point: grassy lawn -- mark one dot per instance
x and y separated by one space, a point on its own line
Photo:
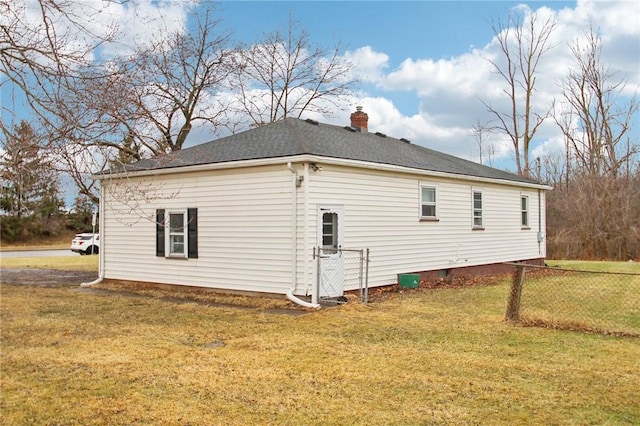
70 263
605 301
442 356
62 241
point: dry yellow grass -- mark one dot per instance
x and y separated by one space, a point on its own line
440 357
70 263
62 241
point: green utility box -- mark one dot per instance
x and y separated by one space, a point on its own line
409 280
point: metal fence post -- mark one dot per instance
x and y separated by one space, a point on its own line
366 277
360 276
316 256
513 306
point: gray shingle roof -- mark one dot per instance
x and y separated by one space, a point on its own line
292 136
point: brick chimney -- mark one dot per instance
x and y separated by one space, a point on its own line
359 120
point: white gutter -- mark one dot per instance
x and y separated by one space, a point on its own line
101 251
317 159
294 240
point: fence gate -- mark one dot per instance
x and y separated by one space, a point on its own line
341 270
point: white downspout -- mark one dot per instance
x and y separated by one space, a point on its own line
101 251
294 241
307 254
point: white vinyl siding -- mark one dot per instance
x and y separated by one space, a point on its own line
244 229
379 214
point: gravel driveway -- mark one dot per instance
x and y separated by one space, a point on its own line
44 277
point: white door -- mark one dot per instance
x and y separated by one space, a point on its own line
331 264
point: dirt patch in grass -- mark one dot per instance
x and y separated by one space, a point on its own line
574 326
174 294
202 296
44 277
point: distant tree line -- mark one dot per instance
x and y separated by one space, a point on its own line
31 206
593 211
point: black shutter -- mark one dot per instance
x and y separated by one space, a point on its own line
160 232
192 229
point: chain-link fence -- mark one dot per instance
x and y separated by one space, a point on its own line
601 302
341 270
558 248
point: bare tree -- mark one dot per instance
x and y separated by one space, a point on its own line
147 103
597 122
284 75
46 56
486 150
174 83
523 42
597 209
41 49
93 110
554 170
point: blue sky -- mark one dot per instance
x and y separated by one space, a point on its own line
401 29
422 64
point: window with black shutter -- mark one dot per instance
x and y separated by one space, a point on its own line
192 233
177 233
160 232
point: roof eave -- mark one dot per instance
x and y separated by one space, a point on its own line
309 158
431 173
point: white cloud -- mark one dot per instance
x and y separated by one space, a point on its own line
451 90
369 65
87 23
142 22
552 147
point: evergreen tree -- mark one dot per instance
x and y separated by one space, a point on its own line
80 218
29 179
130 152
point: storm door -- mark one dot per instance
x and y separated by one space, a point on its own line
331 264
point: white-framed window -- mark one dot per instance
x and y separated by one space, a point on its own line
477 207
524 211
330 230
176 235
428 202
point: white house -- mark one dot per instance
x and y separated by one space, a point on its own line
247 212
